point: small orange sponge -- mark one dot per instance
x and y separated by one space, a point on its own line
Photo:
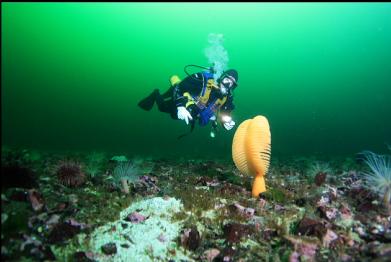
251 149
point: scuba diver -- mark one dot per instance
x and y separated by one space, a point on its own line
197 97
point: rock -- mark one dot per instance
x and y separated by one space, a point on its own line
384 250
233 232
207 181
360 231
147 185
35 199
75 223
109 248
61 206
29 240
62 232
268 234
363 199
323 201
329 213
387 235
294 257
345 212
37 249
230 189
345 258
190 238
162 238
328 238
210 254
366 207
379 250
300 202
279 208
306 250
82 257
135 217
227 254
241 210
52 221
362 218
262 203
320 178
333 193
310 227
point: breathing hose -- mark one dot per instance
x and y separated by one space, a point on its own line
203 67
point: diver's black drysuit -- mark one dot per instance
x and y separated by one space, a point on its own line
174 97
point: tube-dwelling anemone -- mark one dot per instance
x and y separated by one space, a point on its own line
70 173
378 179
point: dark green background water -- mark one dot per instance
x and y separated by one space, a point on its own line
72 74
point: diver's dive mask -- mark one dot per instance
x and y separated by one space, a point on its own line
227 85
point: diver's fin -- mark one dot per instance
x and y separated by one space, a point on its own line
148 102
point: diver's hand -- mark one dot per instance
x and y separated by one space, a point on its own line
229 125
183 114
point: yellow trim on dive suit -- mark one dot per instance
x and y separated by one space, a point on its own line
190 99
221 101
204 99
210 84
174 80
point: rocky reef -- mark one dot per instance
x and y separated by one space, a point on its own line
193 210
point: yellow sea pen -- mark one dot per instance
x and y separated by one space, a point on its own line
251 149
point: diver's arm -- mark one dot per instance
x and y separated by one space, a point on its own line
191 85
180 101
182 94
225 114
227 107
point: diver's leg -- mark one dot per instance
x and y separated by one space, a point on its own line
166 106
148 102
168 93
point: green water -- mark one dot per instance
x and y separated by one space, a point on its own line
72 74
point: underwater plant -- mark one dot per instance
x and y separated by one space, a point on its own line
125 172
70 173
378 179
92 170
95 160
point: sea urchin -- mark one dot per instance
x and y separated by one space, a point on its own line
70 173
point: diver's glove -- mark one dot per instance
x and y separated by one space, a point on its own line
228 122
183 114
229 125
